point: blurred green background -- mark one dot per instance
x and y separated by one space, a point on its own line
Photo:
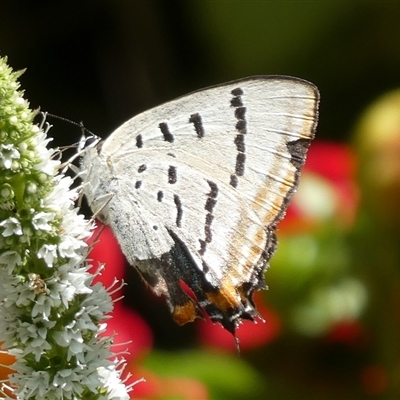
333 284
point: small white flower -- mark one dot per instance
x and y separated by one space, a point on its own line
37 347
68 381
78 279
11 227
30 383
30 331
64 291
8 153
111 377
22 296
68 246
46 164
84 322
98 304
60 196
68 335
40 221
43 306
48 252
10 258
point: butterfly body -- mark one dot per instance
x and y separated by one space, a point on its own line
193 190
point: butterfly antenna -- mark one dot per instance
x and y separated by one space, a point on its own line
81 146
80 124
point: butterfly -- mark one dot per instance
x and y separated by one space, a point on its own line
193 190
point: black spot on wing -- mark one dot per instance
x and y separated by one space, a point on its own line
207 227
237 92
233 181
205 266
172 175
236 101
240 113
241 126
239 141
209 207
179 210
214 189
239 167
202 246
195 119
298 150
139 141
168 136
210 203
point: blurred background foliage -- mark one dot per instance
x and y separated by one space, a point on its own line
332 312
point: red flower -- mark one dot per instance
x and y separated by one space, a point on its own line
349 332
106 251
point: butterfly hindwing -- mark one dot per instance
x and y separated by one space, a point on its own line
196 187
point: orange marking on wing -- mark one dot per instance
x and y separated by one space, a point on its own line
226 297
184 314
258 244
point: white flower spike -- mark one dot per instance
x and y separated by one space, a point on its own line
50 315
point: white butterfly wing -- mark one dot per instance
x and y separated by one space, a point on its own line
197 185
